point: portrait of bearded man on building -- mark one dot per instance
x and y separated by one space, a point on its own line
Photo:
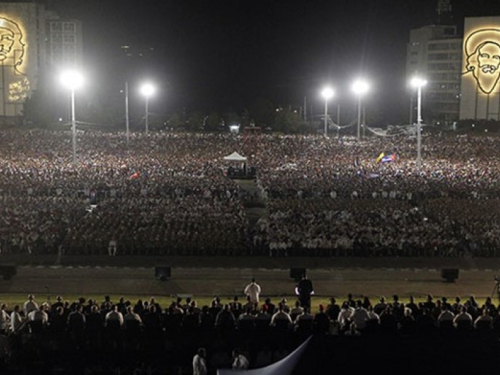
482 49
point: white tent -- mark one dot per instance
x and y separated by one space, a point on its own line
235 157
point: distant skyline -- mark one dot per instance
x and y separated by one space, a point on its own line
227 54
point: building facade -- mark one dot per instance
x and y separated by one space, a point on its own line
35 42
435 52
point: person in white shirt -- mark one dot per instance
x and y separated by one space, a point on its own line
131 315
16 320
4 318
39 315
200 363
114 315
30 305
446 315
281 316
345 314
359 316
240 362
253 291
463 317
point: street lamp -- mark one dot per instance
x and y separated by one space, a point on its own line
327 94
72 80
360 88
127 120
419 82
147 90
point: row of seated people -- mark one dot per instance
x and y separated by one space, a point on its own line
150 318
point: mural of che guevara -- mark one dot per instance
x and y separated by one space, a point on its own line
482 49
14 83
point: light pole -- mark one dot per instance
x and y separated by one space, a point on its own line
360 88
327 94
127 122
72 80
419 82
147 90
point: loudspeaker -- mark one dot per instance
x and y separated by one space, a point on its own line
8 270
162 272
297 273
449 274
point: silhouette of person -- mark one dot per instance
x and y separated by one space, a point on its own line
304 290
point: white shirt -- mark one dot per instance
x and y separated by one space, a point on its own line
15 321
114 315
345 316
4 320
360 316
253 291
38 316
199 365
240 363
29 306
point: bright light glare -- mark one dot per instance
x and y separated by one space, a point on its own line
71 79
147 90
327 93
418 82
360 87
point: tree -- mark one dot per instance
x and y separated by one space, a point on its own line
176 122
195 121
289 121
213 122
263 111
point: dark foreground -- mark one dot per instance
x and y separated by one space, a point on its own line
430 351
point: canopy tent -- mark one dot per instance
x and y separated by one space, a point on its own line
235 157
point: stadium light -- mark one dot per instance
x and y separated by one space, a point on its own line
418 83
360 88
327 93
72 80
147 90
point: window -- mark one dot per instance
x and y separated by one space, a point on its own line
69 38
69 27
55 26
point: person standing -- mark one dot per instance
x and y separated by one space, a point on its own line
304 290
252 291
30 305
240 362
200 362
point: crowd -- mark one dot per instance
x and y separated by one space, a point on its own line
134 335
168 194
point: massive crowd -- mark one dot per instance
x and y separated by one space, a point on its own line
168 193
90 336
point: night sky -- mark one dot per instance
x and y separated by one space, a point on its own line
227 54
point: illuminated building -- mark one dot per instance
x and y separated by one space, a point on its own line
435 52
35 42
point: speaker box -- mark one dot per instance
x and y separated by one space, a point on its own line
449 274
8 270
297 273
162 272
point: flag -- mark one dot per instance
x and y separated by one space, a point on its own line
380 157
134 176
388 158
